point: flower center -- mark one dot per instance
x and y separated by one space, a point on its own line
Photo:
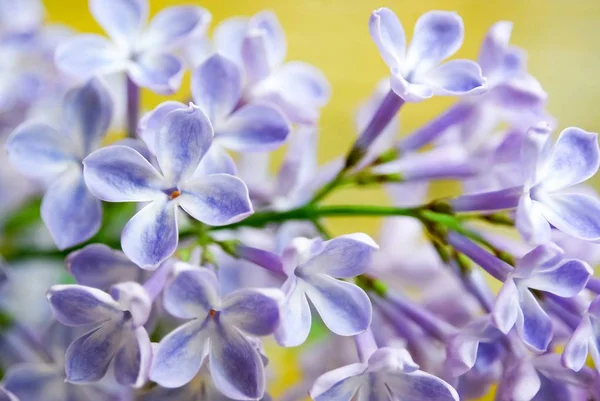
175 194
212 313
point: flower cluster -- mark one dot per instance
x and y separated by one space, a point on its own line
156 304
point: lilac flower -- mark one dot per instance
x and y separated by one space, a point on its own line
388 374
121 174
145 53
584 340
542 269
7 396
217 91
118 338
258 45
20 17
416 73
217 330
313 267
71 213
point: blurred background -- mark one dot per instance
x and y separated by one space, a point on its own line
561 38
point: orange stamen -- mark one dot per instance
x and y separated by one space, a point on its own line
175 194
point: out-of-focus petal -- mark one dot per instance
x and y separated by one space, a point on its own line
192 294
255 312
575 353
388 34
493 49
229 36
86 55
577 215
173 25
267 23
339 384
31 381
295 316
530 222
121 19
456 77
77 305
161 73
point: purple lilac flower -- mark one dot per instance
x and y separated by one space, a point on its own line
388 374
416 73
313 268
217 91
584 340
71 213
118 339
217 330
258 45
145 53
542 269
121 174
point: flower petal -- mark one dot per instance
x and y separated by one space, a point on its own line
540 259
100 266
344 307
70 211
151 235
566 280
531 222
456 77
574 158
253 311
295 316
506 308
161 73
151 122
577 215
235 365
173 25
121 19
267 23
38 150
77 305
87 358
255 57
216 161
133 359
217 87
183 139
575 353
339 384
409 91
495 44
179 355
388 34
84 56
437 35
254 127
192 294
420 386
533 324
216 199
119 173
88 112
229 36
342 257
32 381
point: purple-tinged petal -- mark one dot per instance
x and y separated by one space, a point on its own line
566 280
506 308
7 395
260 257
541 258
530 222
392 359
437 35
300 164
88 112
216 161
119 173
339 384
344 307
132 360
255 312
151 122
134 298
235 365
388 34
229 36
342 257
524 93
574 158
121 19
32 382
419 386
577 215
151 235
87 55
575 354
409 91
182 141
161 73
533 324
520 382
495 44
70 211
173 25
456 77
255 57
38 150
534 149
76 305
295 316
179 355
266 22
216 199
87 358
217 87
192 294
254 127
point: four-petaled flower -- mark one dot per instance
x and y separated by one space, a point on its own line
542 269
121 174
71 213
313 268
416 73
217 330
144 53
388 374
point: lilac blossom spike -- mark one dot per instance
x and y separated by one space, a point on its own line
388 373
71 213
145 53
121 174
218 330
313 268
416 73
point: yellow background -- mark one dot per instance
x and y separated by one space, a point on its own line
562 38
